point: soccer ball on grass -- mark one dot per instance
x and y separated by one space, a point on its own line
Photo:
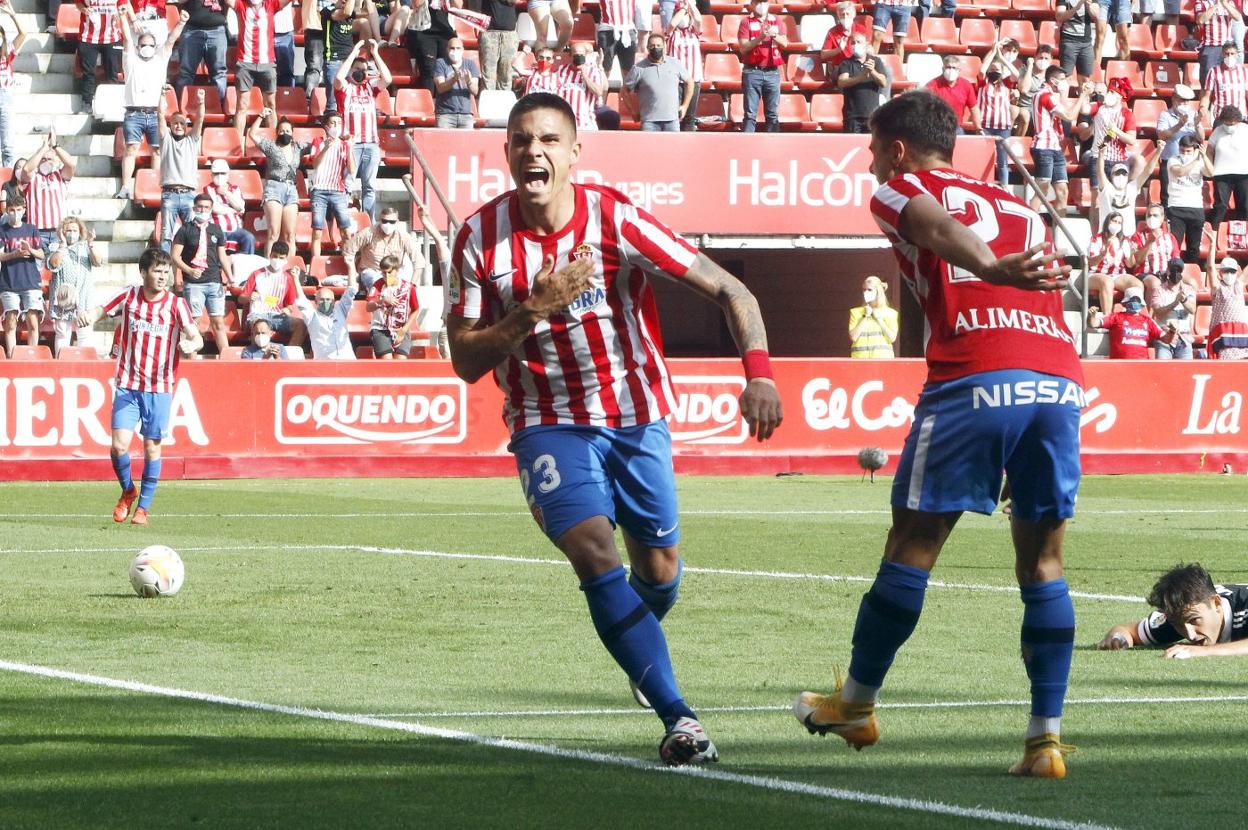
157 571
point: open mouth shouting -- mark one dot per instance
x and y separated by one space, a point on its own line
536 179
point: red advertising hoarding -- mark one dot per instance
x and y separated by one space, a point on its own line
366 418
732 183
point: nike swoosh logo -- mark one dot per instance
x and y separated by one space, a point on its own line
661 532
501 274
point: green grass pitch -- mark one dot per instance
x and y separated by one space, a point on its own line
339 596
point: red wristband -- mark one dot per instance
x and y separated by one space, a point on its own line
757 364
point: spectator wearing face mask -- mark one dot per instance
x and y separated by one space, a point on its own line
684 45
1050 112
838 43
21 294
761 45
333 164
1122 191
1230 165
583 85
271 294
1130 331
357 88
1113 132
1172 300
1030 80
1110 258
1185 206
99 42
993 97
365 250
1178 120
280 199
326 321
1226 86
456 83
146 66
256 57
70 262
861 78
179 166
200 257
45 181
1229 308
1214 19
393 303
872 325
261 345
1005 53
662 87
546 76
228 208
957 92
1154 245
8 53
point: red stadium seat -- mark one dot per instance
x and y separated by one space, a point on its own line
78 353
1049 34
1161 76
987 8
1038 9
900 84
1140 39
147 187
1168 39
794 112
1200 325
327 266
977 34
828 111
231 353
414 107
214 110
316 105
31 353
399 62
292 104
221 143
807 79
364 353
394 149
466 33
1023 31
710 34
723 72
585 28
1129 70
941 35
68 21
1145 111
729 26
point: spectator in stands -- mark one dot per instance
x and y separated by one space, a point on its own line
993 100
1230 165
662 87
338 23
442 251
1131 331
228 208
179 167
1213 20
1179 120
313 45
896 12
204 41
838 43
1116 13
497 44
1171 9
284 45
1050 108
1185 207
21 289
365 250
45 181
1153 245
617 34
280 198
99 42
1228 303
326 321
356 87
1030 80
261 345
1122 191
456 82
1113 132
146 64
256 57
388 20
270 294
1172 300
542 11
200 256
148 16
393 303
583 85
333 163
1078 21
873 325
546 75
70 262
429 32
861 78
1225 86
9 47
923 9
684 45
13 187
1110 256
957 92
760 42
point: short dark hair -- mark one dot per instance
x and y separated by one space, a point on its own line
1053 71
286 121
1189 140
201 197
1230 115
1180 588
542 101
16 200
1230 44
923 121
153 256
388 263
281 247
1044 49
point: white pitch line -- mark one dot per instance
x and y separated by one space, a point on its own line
532 560
940 704
602 758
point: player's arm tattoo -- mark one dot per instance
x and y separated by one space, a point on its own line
729 293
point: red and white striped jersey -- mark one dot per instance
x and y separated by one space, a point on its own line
332 174
1117 251
1217 30
45 200
223 213
618 14
276 290
973 326
600 360
148 338
684 45
575 91
1165 248
391 318
994 105
1227 88
255 31
358 105
1115 149
101 23
7 80
1047 124
550 82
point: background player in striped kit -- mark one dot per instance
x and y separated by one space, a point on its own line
152 318
577 355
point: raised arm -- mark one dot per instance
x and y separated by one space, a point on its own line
198 131
383 71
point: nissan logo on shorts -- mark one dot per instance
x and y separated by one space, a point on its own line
370 410
706 410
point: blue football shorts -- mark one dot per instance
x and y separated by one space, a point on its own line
149 411
573 473
967 431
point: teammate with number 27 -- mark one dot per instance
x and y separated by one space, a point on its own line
1003 393
549 291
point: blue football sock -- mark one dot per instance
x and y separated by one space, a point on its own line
660 598
151 475
1048 638
635 639
121 468
886 618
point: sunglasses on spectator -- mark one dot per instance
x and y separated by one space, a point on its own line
389 221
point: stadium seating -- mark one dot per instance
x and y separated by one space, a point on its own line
78 353
22 352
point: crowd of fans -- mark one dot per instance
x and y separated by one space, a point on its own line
1077 115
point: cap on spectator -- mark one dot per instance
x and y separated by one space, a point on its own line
1184 92
220 166
1118 168
1120 85
1228 264
1134 292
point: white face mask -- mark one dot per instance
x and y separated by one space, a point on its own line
847 21
276 264
262 340
1229 277
1187 156
71 237
1230 61
385 229
1041 66
1114 228
15 219
1120 181
45 168
868 295
950 74
860 50
146 51
202 216
334 132
1153 222
1112 99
